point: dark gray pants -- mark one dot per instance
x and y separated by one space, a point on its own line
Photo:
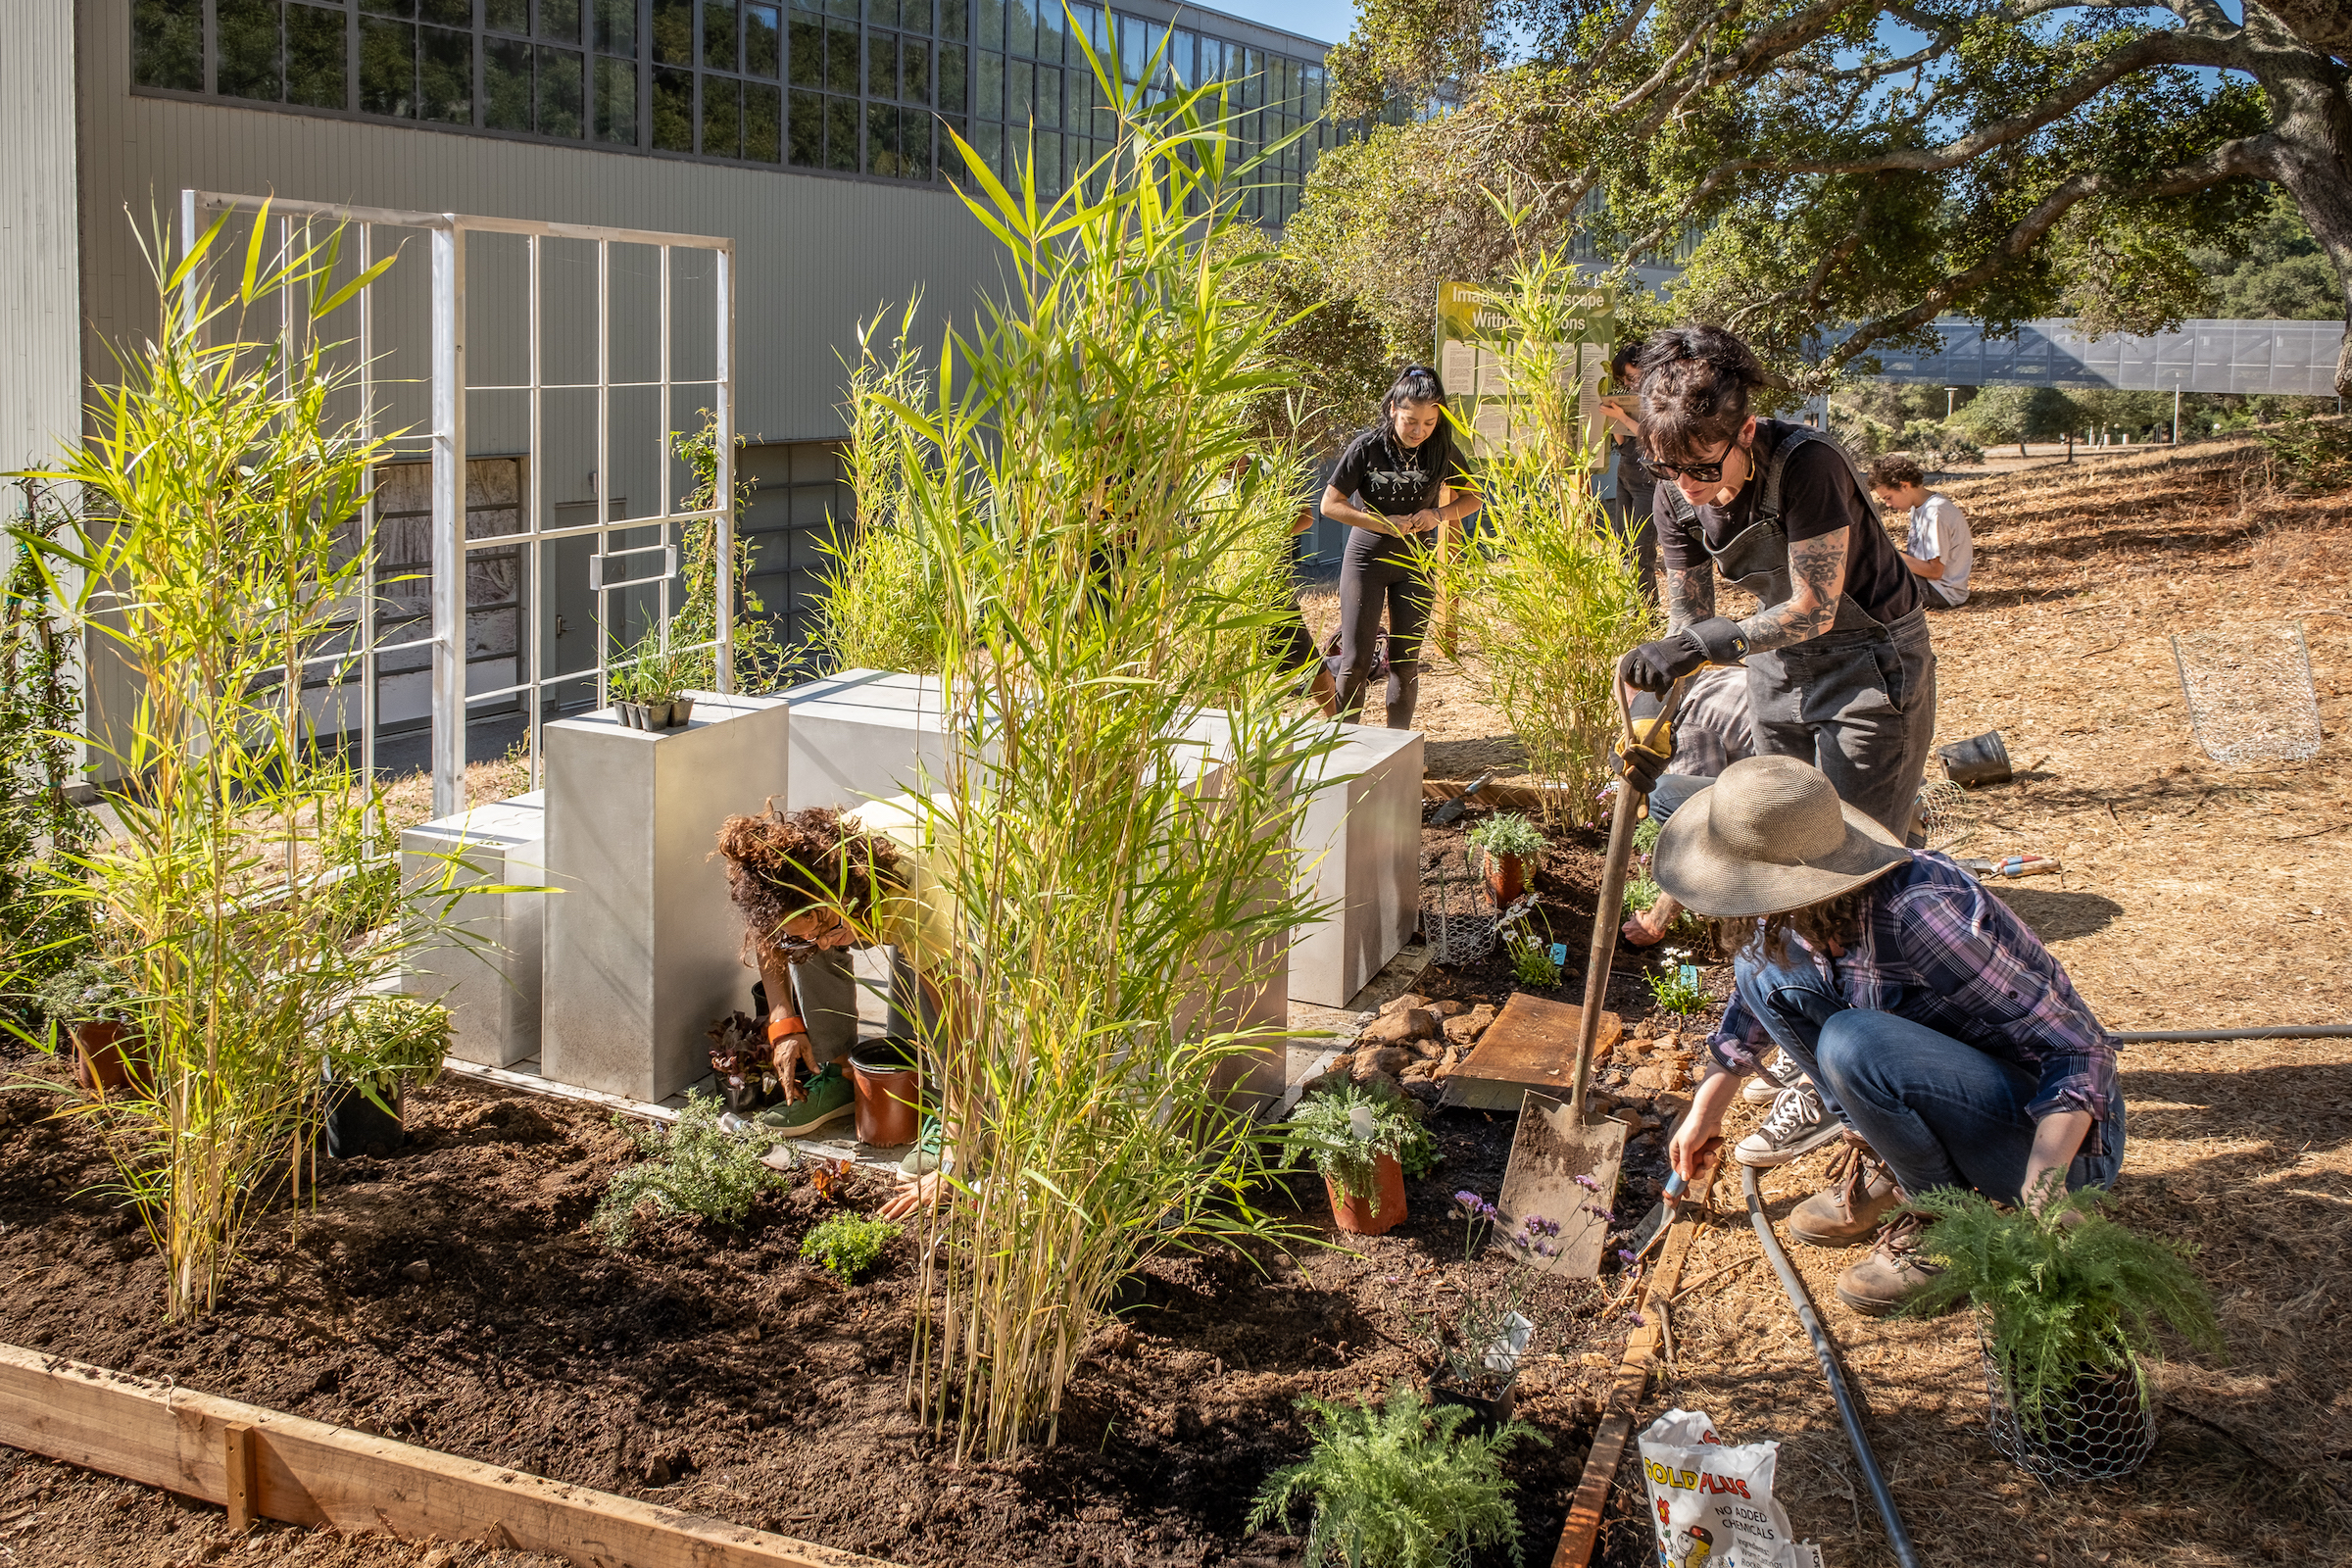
1858 705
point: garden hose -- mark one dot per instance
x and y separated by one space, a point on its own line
1847 1411
2284 1031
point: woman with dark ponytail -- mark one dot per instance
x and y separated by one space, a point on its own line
1390 484
1841 673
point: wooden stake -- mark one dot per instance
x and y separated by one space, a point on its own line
239 1477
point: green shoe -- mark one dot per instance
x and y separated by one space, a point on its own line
828 1095
924 1157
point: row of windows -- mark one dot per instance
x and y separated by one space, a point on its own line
835 86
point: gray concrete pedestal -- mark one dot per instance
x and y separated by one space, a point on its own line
487 972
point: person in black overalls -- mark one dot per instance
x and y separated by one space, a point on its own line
1841 673
1387 488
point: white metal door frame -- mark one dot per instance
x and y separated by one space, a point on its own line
449 385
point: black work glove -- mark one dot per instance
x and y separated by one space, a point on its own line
1656 666
1640 765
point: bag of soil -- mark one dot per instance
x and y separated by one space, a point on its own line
1712 1504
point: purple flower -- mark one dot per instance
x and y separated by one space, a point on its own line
1552 1227
1586 1182
1468 1200
1624 1254
1637 1319
1533 1224
1519 1242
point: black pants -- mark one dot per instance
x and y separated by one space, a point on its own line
1369 582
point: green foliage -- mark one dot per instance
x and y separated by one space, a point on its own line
1400 1486
847 1243
2060 1293
694 1166
1544 589
651 670
2316 453
40 826
378 1042
215 564
2020 414
1344 1129
759 657
2275 270
1531 960
1507 833
90 989
1418 1155
1675 994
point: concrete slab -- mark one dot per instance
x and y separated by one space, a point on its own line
864 735
487 972
1359 850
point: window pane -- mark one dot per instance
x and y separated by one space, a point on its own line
1132 51
881 66
1048 34
387 68
560 20
448 12
722 117
1048 96
808 50
841 135
845 9
914 71
915 16
406 10
506 85
616 102
248 43
882 140
914 144
841 56
988 92
617 26
807 130
763 124
719 35
445 77
1020 26
673 111
951 160
167 48
673 32
762 42
955 17
882 13
988 24
951 85
1020 91
315 43
507 16
558 92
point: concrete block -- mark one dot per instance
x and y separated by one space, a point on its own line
1359 848
488 973
643 948
864 735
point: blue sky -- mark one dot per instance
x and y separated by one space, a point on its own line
1327 20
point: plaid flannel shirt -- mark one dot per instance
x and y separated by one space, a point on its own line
1937 949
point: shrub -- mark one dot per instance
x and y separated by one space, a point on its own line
379 1041
1345 1130
2316 455
1507 833
847 1243
1531 960
692 1167
2059 1293
1398 1487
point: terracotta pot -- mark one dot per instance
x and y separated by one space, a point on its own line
100 1064
1356 1217
889 1092
1506 878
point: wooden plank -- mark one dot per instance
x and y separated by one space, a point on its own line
309 1473
1529 1044
240 1485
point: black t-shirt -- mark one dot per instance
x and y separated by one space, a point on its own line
1817 496
1382 475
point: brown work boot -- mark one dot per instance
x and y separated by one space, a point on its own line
1892 1273
1861 1192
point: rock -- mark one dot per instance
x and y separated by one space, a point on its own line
1425 1089
1340 1064
1627 1115
1405 1023
1600 1100
1428 1050
418 1273
1400 1003
1660 1075
1671 1105
1464 1029
1112 1342
1447 1062
1384 1062
1667 1044
1449 1009
435 1559
1375 1081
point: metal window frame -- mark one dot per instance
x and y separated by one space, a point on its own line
451 547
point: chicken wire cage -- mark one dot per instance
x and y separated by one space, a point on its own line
2103 1426
1458 917
2249 692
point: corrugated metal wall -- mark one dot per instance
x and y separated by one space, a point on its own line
815 254
40 284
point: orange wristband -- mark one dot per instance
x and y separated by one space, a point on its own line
785 1028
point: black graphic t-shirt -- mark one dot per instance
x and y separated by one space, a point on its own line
1381 475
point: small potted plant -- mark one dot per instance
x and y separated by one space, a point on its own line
1505 842
1479 1351
743 1062
644 685
89 1001
377 1050
2066 1305
1354 1139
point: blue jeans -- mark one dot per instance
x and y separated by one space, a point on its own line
1937 1110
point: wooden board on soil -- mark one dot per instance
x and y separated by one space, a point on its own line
1531 1045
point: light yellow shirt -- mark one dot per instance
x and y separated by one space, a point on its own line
917 917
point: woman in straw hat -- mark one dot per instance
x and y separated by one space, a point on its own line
1939 1029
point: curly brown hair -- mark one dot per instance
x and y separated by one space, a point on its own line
1832 924
780 867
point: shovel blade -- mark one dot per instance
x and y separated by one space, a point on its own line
1549 1152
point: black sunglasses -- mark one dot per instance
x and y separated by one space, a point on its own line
1704 472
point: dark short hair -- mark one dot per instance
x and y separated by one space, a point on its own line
1694 386
1631 354
1894 469
1416 383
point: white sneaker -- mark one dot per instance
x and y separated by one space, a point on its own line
1799 1121
1765 1086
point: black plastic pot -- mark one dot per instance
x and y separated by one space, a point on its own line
1488 1416
356 1127
745 1095
681 710
1982 759
2101 1427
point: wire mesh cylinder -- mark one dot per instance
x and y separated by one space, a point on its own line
2249 692
2102 1426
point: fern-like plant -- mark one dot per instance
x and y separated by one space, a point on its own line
1400 1486
847 1244
695 1167
1346 1129
2060 1294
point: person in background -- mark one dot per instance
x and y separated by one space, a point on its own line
1629 508
1948 1040
1711 731
1936 548
1391 485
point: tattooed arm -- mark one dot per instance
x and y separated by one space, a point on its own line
1689 594
1817 568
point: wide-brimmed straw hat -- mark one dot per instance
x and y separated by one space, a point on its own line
1768 835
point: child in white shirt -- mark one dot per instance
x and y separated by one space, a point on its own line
1937 548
